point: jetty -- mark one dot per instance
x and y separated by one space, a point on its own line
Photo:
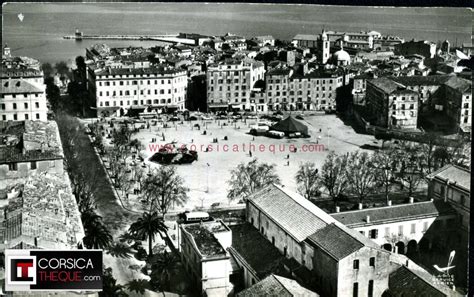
171 38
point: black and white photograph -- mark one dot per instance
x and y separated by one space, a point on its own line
235 149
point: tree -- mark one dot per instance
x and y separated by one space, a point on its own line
119 250
62 68
138 285
248 178
410 169
97 236
164 188
307 179
333 175
360 174
147 226
163 266
384 170
52 93
110 286
47 69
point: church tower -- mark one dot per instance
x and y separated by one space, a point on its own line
323 46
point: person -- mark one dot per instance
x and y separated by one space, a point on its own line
288 163
288 156
250 153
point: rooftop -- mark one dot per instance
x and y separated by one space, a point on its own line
429 80
395 213
45 208
406 282
137 71
386 84
29 141
295 214
339 241
274 285
455 175
22 72
257 251
203 235
18 86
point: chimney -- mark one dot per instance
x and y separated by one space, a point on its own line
36 241
360 206
407 262
389 203
338 209
412 200
367 219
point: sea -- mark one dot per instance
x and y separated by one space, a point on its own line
39 31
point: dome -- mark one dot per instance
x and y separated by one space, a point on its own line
342 55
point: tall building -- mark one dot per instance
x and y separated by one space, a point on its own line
323 46
391 104
230 83
154 88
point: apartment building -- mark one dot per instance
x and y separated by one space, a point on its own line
391 104
155 88
229 83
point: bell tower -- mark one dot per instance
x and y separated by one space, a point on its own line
323 45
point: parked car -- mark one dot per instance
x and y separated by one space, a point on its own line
275 134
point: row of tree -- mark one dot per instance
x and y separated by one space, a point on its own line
357 174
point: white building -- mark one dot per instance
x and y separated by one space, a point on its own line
230 83
22 99
156 88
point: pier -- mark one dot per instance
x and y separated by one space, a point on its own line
171 38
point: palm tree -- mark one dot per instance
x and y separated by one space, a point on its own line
163 267
110 286
97 236
138 285
119 250
148 225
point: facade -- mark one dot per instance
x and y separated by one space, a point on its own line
399 228
156 88
305 40
27 148
22 95
392 105
229 83
452 184
305 233
205 256
359 87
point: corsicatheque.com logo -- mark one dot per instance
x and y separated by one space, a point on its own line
21 270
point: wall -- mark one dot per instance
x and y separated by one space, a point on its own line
349 275
215 276
35 108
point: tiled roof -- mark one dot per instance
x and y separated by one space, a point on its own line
336 241
457 83
36 140
416 80
454 174
46 209
404 282
295 214
278 71
380 215
16 73
18 86
257 251
386 84
137 71
274 285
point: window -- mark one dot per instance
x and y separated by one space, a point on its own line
371 288
37 116
14 105
387 231
26 116
425 226
372 262
462 200
400 230
413 228
13 166
37 105
26 105
355 290
374 233
3 106
33 165
356 264
15 117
